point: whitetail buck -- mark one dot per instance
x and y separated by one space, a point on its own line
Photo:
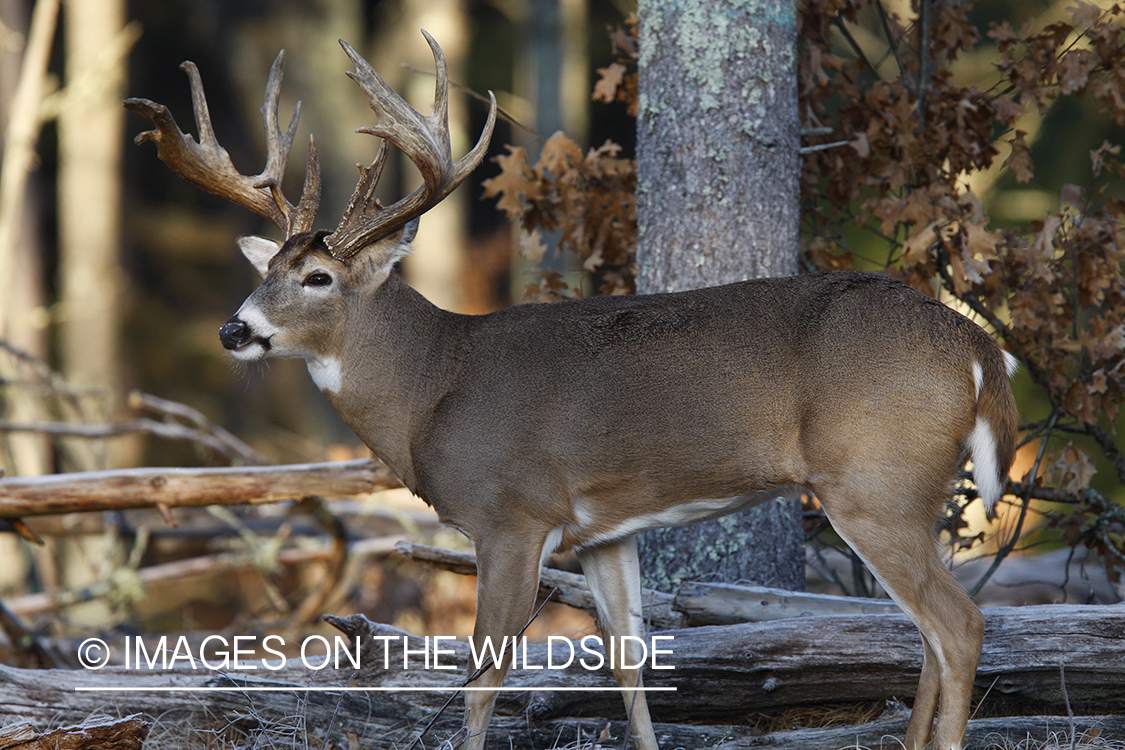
576 425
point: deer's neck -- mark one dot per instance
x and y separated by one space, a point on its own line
395 359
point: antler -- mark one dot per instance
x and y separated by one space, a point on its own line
208 165
425 140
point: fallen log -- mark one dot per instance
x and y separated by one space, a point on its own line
724 672
693 603
721 674
726 604
381 721
101 733
174 487
362 519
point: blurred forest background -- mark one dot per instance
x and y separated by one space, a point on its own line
115 275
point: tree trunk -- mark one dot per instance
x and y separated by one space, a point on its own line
718 200
90 143
436 266
23 81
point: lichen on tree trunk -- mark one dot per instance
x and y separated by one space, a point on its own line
717 139
718 201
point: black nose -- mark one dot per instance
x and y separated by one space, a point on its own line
234 334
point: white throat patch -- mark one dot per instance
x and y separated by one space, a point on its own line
327 373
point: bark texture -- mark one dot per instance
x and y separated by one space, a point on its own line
717 140
718 200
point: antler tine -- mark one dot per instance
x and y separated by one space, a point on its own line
277 143
363 199
301 219
207 164
425 140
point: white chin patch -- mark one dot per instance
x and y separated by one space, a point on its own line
253 351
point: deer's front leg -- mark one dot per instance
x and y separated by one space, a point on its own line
614 577
507 580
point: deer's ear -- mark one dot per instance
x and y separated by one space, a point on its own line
409 232
259 251
386 251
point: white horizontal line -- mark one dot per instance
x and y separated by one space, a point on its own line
353 689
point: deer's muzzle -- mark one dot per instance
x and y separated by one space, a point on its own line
236 334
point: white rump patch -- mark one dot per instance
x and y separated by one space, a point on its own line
327 373
986 472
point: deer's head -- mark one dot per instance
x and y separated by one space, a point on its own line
298 309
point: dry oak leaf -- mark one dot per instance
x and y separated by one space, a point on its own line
979 248
1020 158
559 153
611 79
1074 70
916 248
1084 14
531 245
1098 156
513 182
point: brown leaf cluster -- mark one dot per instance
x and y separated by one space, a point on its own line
1053 289
1096 523
618 82
589 200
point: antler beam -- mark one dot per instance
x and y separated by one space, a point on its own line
207 164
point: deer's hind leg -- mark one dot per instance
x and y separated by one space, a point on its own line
894 536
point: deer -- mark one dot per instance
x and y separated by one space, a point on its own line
575 425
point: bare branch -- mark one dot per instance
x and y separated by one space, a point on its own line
484 100
233 446
821 147
31 605
173 487
572 588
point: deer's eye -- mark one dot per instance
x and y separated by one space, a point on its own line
317 279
